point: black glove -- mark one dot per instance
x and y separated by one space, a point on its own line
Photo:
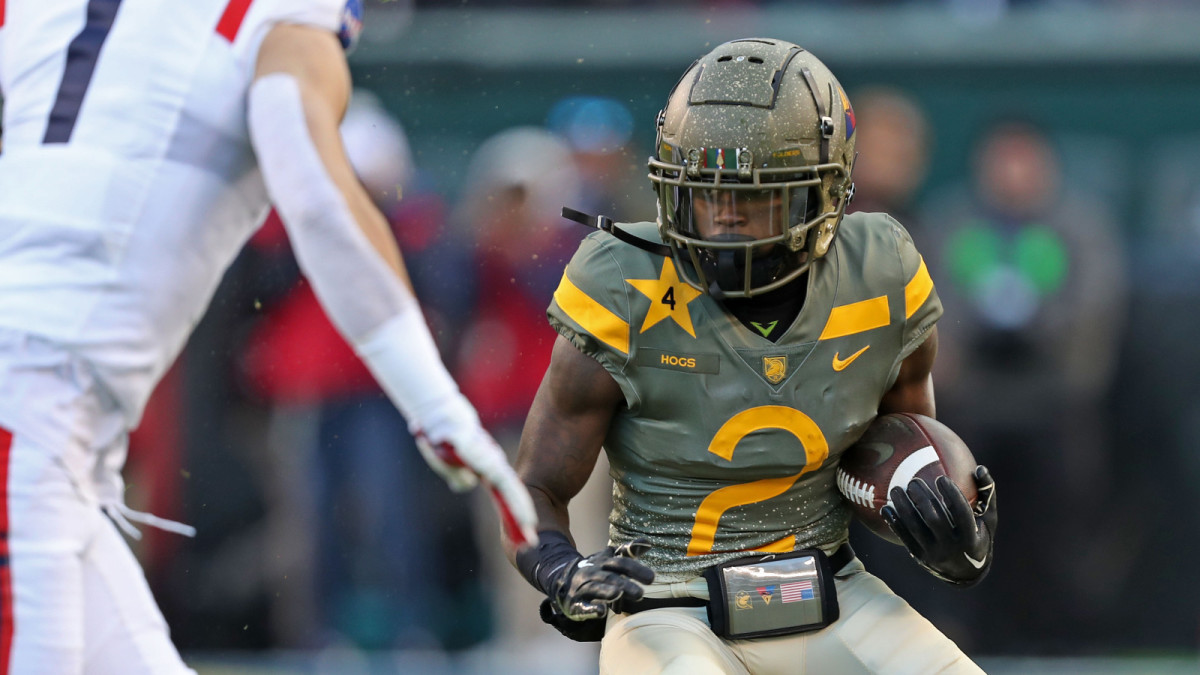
586 588
591 630
580 590
946 536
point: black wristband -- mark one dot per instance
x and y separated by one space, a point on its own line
553 557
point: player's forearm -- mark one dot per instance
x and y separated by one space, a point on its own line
375 228
552 512
342 241
346 256
537 472
913 390
553 466
543 466
346 250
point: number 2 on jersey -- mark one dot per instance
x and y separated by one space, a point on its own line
77 72
816 450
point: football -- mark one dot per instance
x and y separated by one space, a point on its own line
895 449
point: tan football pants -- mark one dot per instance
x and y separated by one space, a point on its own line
877 633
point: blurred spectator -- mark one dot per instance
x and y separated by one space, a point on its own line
893 155
599 131
1157 409
1034 285
152 473
364 572
510 210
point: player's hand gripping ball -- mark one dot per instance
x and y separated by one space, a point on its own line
893 451
913 481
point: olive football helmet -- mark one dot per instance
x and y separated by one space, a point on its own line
752 166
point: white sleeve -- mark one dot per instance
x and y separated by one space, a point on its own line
363 296
355 285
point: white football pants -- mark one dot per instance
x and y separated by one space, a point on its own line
73 599
877 633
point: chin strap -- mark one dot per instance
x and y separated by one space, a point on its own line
726 270
606 224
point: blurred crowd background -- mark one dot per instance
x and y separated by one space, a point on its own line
1045 156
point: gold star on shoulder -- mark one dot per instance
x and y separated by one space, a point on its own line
669 297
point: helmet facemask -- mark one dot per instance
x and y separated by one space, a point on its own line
737 238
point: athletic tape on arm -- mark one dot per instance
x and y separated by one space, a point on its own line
363 296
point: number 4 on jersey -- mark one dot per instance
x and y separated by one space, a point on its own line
668 298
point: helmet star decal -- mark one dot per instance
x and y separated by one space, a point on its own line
669 297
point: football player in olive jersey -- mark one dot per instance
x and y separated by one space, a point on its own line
724 357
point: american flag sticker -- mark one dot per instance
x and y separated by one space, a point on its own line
797 591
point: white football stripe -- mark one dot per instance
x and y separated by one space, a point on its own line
909 468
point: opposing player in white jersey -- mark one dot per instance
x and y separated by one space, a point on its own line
143 142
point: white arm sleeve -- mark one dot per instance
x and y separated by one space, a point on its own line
355 285
363 296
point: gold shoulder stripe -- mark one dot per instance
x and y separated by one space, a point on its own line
917 290
592 316
856 318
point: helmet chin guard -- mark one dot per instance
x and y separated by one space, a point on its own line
752 169
730 268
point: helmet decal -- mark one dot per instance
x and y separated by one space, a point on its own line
849 110
352 24
715 157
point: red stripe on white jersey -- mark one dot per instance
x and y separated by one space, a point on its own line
7 620
231 20
2 13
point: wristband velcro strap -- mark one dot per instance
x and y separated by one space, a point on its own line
552 558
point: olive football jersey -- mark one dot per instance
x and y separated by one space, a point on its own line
728 442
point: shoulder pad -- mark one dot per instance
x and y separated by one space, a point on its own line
592 301
880 250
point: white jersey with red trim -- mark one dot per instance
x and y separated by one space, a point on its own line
127 179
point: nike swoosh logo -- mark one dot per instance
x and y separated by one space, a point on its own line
840 364
978 564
